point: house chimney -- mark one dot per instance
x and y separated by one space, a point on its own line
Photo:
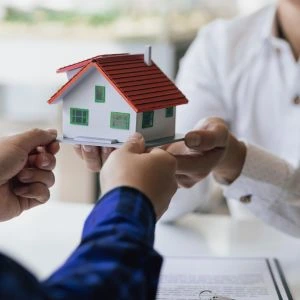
147 56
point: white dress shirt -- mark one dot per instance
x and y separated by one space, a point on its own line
240 71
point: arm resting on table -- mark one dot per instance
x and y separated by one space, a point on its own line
115 259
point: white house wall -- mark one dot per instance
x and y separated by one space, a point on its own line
83 96
162 126
72 73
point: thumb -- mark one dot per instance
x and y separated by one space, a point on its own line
214 135
135 144
31 139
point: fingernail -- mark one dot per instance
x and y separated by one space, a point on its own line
88 148
193 140
21 190
45 162
136 136
25 175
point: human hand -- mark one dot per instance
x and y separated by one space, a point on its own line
94 157
209 148
151 173
26 164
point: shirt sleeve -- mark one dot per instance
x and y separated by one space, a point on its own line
200 79
270 187
115 259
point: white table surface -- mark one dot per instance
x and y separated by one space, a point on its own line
42 238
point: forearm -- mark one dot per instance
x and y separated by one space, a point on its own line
115 259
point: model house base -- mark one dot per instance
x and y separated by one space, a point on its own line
116 144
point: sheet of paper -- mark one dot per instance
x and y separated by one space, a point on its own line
236 278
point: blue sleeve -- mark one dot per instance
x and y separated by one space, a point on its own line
115 259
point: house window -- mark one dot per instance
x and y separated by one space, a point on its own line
79 116
148 119
99 93
119 120
169 112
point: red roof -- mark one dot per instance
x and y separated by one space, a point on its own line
144 87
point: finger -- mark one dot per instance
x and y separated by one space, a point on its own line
34 175
166 158
28 203
215 136
135 144
37 191
105 153
178 148
44 161
203 123
53 148
185 181
165 147
197 163
78 150
92 157
30 140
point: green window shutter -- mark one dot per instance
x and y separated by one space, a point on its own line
169 112
148 119
79 116
119 120
99 94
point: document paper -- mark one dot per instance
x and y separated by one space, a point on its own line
235 278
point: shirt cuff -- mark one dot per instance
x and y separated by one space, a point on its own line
127 209
264 176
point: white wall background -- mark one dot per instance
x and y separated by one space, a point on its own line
248 6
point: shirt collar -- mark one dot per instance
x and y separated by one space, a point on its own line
269 26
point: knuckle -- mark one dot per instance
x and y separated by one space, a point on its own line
39 191
36 131
51 180
190 184
46 196
53 161
185 184
44 193
216 120
169 159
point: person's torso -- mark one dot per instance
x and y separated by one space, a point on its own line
262 86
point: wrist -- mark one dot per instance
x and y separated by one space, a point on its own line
231 166
123 205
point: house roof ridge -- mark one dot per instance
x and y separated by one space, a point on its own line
85 62
118 58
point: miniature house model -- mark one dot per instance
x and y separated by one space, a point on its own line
109 97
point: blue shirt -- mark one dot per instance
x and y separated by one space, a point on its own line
115 258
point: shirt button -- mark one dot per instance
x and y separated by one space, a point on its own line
246 199
296 100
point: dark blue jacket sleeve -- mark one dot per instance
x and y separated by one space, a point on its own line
115 259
